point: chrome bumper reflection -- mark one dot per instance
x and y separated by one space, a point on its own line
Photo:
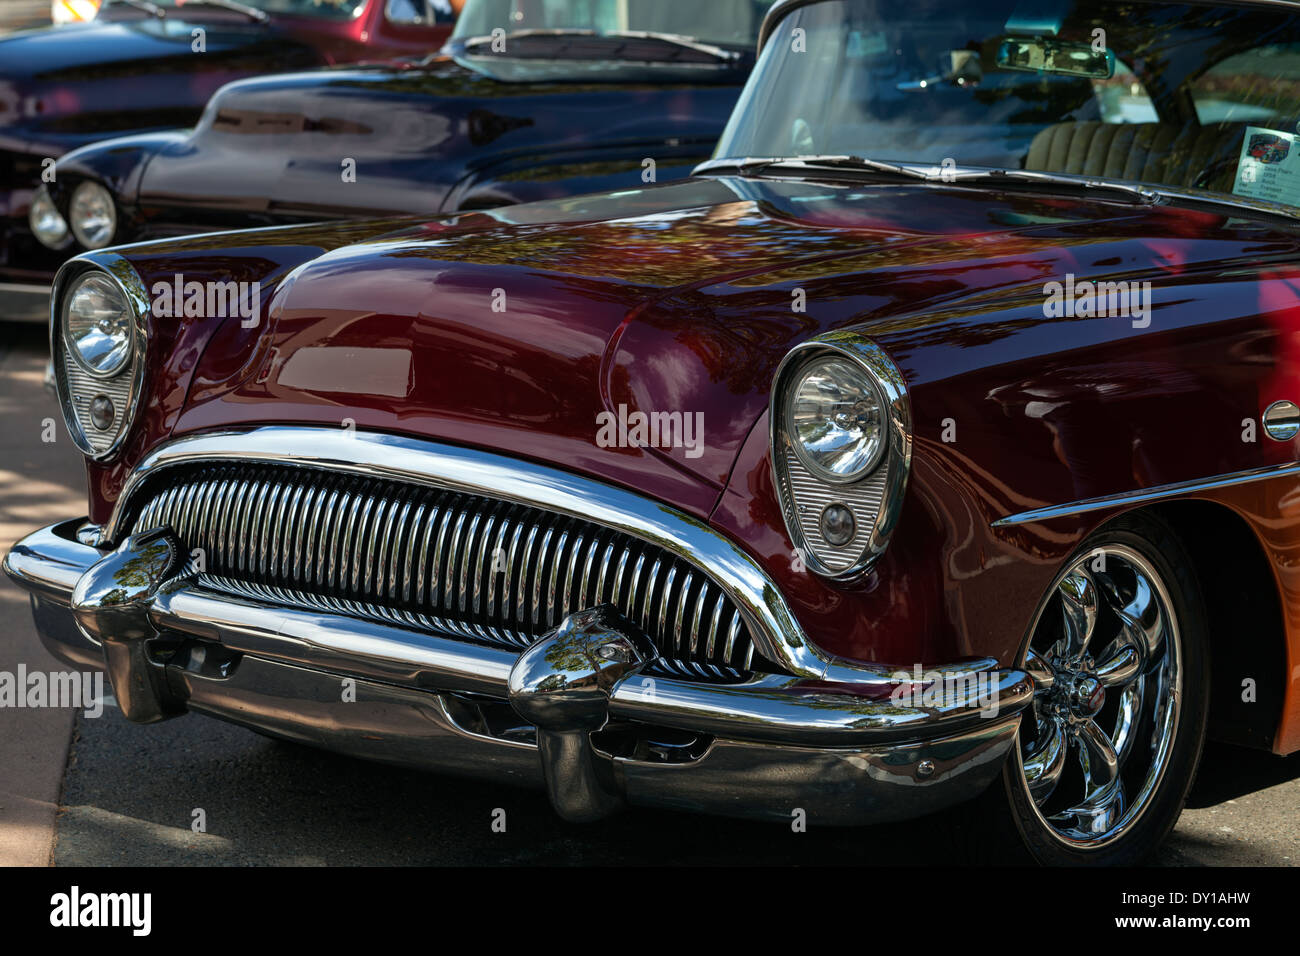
555 715
24 302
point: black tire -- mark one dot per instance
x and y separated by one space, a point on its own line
1020 834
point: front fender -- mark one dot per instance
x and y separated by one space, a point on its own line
118 164
178 341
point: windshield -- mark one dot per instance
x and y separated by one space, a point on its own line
1192 96
732 23
328 9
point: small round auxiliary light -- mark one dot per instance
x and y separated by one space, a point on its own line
837 525
102 412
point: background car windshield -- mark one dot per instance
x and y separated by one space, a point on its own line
723 22
1181 95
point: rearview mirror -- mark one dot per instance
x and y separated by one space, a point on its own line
1056 56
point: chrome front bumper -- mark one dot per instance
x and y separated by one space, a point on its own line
574 713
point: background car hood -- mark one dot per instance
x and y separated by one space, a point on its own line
413 130
516 329
75 84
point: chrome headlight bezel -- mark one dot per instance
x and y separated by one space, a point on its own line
100 193
73 380
874 494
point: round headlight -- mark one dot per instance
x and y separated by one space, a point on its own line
93 216
47 224
98 325
836 419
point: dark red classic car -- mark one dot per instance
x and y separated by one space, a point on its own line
571 100
145 65
935 442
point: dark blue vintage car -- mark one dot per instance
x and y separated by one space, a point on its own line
528 101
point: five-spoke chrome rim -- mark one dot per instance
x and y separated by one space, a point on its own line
1105 657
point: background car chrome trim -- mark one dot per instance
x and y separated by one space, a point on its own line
886 488
774 708
123 274
24 302
1141 496
776 632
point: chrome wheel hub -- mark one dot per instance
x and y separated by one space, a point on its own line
1105 660
1086 696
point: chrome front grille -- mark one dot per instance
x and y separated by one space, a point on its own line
485 570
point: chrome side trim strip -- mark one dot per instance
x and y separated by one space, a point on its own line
775 630
1177 489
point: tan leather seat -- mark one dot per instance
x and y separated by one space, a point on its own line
1163 153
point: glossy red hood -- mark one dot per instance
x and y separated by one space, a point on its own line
518 330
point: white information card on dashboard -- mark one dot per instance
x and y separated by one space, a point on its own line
1268 167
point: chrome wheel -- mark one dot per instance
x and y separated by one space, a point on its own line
1105 656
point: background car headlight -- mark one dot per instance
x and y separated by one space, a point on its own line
836 419
99 325
92 215
46 222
